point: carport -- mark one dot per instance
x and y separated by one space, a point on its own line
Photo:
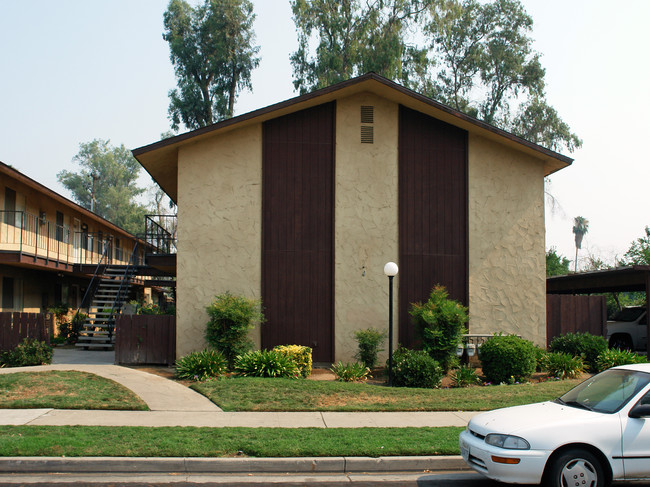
621 279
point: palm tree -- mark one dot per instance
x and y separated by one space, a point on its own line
580 227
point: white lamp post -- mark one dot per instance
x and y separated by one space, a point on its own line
390 269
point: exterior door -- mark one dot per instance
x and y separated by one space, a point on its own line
432 213
297 231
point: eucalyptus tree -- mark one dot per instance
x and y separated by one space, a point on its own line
353 37
107 183
475 56
580 228
212 49
485 66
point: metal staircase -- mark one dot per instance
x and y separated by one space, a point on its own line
111 293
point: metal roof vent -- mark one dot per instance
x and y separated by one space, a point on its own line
367 114
367 134
367 131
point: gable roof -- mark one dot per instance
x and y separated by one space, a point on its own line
160 159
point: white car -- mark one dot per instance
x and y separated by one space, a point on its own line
628 329
597 432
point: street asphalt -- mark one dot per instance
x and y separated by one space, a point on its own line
172 404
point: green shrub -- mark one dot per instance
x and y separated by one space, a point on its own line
583 345
350 372
369 341
613 357
266 363
153 309
415 368
150 309
231 317
541 358
465 376
507 359
441 324
201 365
77 324
564 366
28 352
300 354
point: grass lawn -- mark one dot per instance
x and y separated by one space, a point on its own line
73 441
65 390
257 394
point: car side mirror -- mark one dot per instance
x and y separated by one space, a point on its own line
640 411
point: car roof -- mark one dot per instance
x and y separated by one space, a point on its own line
638 367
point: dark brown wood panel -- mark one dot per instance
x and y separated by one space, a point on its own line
432 212
298 229
145 339
566 313
16 326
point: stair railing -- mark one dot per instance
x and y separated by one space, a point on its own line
126 279
76 328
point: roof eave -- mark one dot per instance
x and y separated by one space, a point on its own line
166 149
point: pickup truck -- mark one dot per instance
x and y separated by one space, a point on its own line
628 329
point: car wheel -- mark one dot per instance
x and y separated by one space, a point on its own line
576 468
622 342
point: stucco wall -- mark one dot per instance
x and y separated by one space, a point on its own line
507 285
219 227
365 220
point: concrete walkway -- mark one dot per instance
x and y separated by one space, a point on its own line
172 404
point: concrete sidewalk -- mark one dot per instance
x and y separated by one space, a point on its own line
170 402
173 404
220 419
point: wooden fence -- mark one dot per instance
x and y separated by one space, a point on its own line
145 339
15 327
566 313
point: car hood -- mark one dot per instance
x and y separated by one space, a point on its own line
518 420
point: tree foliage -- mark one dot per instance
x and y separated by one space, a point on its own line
639 251
477 57
115 172
440 322
212 49
354 37
556 265
580 228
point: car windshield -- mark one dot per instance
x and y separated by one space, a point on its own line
628 314
606 392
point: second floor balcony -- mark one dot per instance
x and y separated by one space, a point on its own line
28 236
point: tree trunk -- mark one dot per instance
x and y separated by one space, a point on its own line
233 88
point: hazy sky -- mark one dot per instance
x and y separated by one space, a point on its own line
75 70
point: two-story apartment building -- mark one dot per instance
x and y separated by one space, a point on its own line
302 203
50 246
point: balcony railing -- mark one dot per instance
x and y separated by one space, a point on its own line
160 233
31 235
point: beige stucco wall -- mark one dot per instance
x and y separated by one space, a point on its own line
219 227
507 278
366 233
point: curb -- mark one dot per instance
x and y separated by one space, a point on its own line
294 465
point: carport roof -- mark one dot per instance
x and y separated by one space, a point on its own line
632 278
